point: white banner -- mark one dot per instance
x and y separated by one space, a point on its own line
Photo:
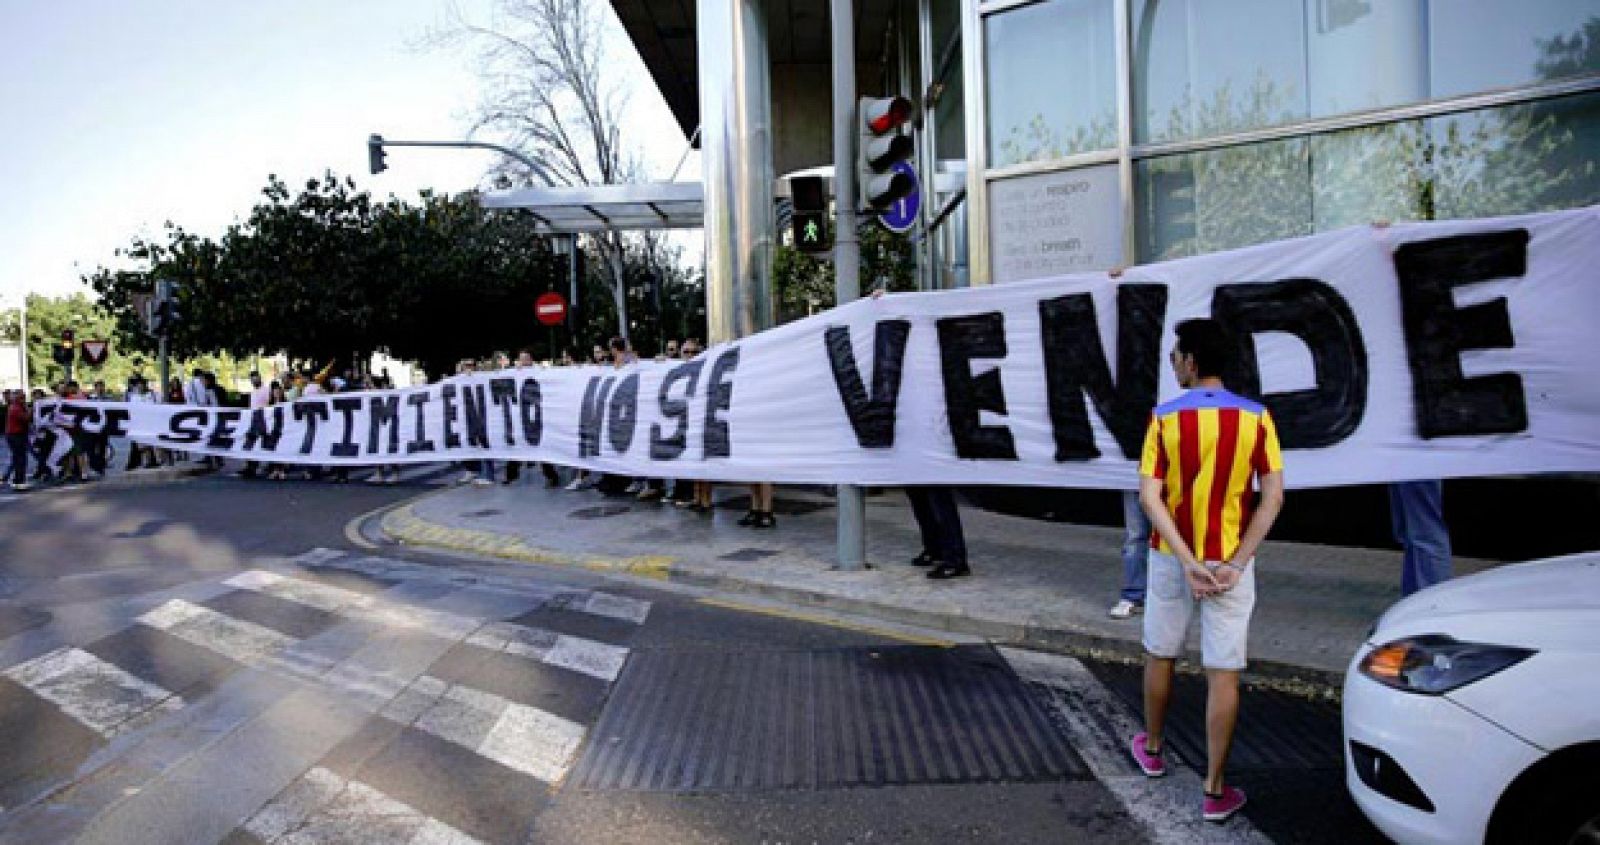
1417 351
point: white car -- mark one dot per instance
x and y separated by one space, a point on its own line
1472 713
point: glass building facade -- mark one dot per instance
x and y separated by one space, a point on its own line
1086 134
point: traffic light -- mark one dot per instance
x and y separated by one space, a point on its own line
375 154
809 223
165 317
883 146
67 351
164 311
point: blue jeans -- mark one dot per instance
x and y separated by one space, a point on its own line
486 470
1416 509
1135 547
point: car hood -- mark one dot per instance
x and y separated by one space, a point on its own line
1554 585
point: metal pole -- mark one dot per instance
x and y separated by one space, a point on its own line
572 289
480 145
165 374
22 344
852 529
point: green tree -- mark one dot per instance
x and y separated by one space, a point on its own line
804 285
330 275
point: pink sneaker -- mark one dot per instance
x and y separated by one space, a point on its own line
1220 809
1151 764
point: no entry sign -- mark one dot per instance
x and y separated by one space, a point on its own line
550 308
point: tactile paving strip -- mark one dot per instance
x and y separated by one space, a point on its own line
760 720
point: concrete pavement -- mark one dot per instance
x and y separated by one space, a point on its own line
1035 583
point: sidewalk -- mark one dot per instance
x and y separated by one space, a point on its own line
1034 583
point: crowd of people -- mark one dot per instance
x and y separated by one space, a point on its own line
693 496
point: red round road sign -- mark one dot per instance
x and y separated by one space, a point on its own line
550 308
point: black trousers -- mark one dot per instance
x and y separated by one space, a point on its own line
19 457
939 520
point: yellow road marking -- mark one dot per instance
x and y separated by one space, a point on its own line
799 616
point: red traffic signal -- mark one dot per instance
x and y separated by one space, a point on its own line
883 114
882 146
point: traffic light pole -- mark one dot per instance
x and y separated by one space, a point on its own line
162 371
480 145
852 505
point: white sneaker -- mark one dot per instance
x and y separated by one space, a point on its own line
21 486
1124 609
634 487
466 478
482 482
575 486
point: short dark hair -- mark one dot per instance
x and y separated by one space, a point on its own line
619 345
1204 339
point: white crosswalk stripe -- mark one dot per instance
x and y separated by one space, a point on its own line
596 603
595 659
1098 725
324 807
98 694
236 639
354 605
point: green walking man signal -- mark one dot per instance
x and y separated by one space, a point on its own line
810 220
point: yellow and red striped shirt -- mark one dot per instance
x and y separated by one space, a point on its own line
1208 446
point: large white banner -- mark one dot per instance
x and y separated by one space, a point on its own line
1416 351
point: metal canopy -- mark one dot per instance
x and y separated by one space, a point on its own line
600 208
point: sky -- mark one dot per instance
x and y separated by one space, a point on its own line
121 116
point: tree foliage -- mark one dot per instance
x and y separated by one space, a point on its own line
331 274
804 285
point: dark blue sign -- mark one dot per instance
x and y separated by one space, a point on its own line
903 214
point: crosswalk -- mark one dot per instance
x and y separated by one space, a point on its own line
497 678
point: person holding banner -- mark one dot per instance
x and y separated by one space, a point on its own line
1201 453
18 423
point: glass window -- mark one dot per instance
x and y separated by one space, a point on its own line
1051 80
1210 68
1540 156
1222 199
1479 46
1374 173
1511 160
949 112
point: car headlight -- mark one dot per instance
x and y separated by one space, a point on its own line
1434 664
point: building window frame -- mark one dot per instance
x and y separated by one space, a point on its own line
975 15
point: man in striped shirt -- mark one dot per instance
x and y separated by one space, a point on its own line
1203 455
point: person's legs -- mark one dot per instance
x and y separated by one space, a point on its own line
1224 649
1158 673
552 478
513 471
1168 610
923 514
1222 714
1417 511
19 458
950 540
1135 548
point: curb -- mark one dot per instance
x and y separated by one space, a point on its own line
402 525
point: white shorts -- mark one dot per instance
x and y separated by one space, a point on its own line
1224 619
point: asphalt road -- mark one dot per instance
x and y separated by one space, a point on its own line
216 660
